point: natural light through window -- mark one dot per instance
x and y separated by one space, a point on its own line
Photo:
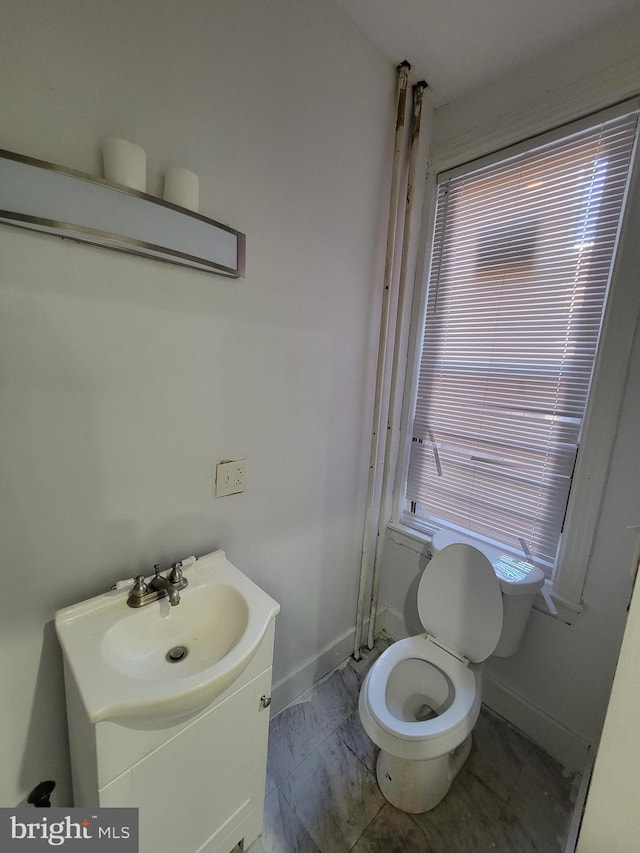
517 286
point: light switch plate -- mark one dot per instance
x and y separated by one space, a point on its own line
231 477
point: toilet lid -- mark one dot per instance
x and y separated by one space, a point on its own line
460 603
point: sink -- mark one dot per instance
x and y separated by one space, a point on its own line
162 662
207 627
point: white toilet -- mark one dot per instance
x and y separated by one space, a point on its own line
421 698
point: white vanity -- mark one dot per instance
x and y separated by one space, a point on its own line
183 740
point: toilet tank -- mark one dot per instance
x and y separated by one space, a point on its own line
519 583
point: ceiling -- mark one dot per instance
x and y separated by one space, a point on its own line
460 45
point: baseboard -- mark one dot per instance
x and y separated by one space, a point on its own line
288 688
570 749
567 747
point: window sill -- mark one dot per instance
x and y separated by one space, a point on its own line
418 542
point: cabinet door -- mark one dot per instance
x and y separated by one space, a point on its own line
198 786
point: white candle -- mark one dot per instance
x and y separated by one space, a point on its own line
125 164
182 187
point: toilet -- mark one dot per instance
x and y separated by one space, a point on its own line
421 698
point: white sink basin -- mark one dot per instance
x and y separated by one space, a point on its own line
118 656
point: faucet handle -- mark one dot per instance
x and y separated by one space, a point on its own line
138 593
176 577
139 588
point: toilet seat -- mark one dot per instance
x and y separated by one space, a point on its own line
463 686
460 602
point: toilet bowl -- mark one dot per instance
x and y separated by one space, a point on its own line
421 698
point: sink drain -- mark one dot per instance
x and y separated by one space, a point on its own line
177 653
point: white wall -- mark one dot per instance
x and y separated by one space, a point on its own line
557 686
611 818
124 380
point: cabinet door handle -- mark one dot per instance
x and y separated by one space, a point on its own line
265 701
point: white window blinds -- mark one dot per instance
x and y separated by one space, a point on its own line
520 267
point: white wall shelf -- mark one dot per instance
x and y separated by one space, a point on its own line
44 197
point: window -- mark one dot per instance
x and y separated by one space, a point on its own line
517 286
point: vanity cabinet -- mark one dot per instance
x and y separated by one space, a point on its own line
198 782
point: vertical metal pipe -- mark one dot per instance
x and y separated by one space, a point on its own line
418 91
403 79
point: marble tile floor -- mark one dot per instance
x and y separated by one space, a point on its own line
322 795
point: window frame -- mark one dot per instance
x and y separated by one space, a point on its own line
609 375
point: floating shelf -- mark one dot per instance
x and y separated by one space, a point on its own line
44 197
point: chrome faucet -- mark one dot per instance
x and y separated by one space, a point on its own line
159 587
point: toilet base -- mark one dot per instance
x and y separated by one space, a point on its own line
418 786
